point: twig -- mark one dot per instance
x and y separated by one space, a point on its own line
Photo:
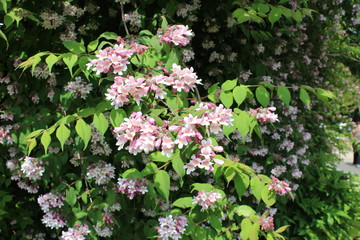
123 17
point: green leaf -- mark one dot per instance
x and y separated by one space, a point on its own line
84 131
184 202
100 122
256 186
117 117
93 45
45 140
241 182
321 93
269 197
284 94
244 210
70 197
229 85
3 5
3 36
159 157
31 145
75 47
150 168
164 23
86 112
202 187
78 185
275 15
131 173
62 133
178 165
227 99
304 97
246 226
173 58
70 61
239 94
229 174
263 96
297 16
242 122
162 184
282 229
215 223
109 36
51 60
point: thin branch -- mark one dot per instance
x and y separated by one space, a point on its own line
123 18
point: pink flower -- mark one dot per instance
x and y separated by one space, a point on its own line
179 35
280 187
266 223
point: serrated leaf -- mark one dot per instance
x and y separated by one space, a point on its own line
75 47
162 184
100 122
84 131
184 202
262 96
284 94
304 97
45 140
50 61
239 94
227 99
62 133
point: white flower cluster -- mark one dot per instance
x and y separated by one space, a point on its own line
32 168
102 172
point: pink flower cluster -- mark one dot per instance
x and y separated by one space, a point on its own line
49 201
79 88
53 219
171 227
78 232
179 35
142 134
207 199
101 171
203 159
5 135
280 187
266 223
264 115
32 168
126 88
132 187
115 59
50 204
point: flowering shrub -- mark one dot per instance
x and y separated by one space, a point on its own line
129 128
